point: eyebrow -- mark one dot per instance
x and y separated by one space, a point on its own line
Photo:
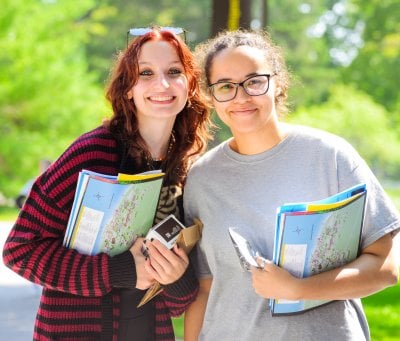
149 63
222 80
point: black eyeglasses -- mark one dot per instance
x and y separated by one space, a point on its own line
140 31
253 86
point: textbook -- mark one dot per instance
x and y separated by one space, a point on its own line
110 212
314 237
311 237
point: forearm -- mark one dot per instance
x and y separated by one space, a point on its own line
180 294
361 278
34 250
194 315
374 270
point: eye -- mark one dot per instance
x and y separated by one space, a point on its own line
174 72
146 73
224 87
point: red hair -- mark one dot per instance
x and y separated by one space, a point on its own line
191 125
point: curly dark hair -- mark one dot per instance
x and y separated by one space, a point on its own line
208 50
191 127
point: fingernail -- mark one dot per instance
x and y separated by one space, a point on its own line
177 245
151 239
144 241
146 258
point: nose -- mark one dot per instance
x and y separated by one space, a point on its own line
241 94
162 81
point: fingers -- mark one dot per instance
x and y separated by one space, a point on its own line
135 249
263 263
165 265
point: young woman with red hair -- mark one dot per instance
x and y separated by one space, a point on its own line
159 121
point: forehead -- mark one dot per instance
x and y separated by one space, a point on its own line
238 62
158 51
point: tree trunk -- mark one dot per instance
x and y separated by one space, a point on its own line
245 13
220 10
234 14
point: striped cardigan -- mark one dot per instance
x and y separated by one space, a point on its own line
80 298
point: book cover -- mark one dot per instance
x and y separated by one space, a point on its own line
315 237
110 212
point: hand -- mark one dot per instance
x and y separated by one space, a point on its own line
271 281
143 279
165 265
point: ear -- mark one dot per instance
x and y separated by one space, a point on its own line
129 94
278 90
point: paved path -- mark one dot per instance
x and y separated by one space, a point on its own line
19 300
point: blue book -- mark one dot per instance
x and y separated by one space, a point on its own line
318 236
110 212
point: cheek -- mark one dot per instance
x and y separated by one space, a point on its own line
220 109
183 85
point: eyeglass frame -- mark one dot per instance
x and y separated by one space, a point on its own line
268 75
144 30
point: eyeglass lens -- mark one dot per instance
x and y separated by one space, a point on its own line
254 86
140 31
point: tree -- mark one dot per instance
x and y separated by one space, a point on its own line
46 92
375 68
355 116
118 16
234 14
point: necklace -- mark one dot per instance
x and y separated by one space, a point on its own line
155 162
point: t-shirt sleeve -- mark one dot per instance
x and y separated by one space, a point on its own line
381 215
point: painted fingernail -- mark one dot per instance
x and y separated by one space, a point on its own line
151 239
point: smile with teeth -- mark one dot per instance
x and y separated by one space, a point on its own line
161 99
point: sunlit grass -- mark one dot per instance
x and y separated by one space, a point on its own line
383 314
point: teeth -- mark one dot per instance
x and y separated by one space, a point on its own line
161 98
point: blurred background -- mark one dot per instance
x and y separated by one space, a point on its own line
55 57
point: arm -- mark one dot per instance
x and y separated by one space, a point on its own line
34 247
374 270
194 316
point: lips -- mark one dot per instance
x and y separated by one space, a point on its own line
161 99
244 111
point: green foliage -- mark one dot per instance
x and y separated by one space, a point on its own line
306 56
46 92
121 15
364 123
375 70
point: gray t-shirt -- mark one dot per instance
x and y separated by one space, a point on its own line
226 189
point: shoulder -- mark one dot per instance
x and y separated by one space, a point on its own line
99 136
315 135
95 150
209 158
321 141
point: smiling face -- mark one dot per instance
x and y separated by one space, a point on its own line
244 114
161 90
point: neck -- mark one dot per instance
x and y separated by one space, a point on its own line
157 138
255 143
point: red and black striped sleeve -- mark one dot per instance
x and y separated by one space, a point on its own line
34 247
180 294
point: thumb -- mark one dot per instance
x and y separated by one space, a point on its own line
262 262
